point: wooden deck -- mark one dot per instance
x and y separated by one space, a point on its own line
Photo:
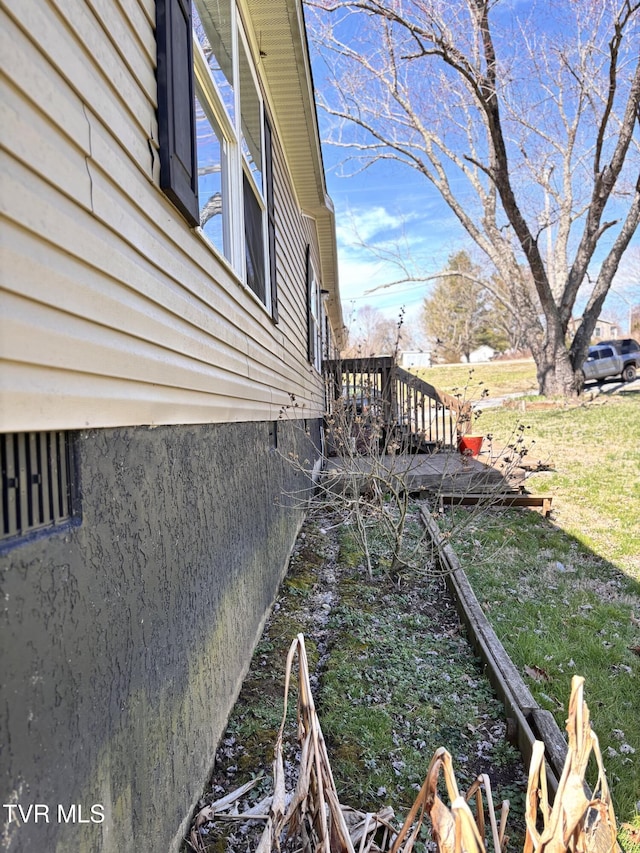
446 475
445 471
375 397
419 414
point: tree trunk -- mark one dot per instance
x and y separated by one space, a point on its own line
555 373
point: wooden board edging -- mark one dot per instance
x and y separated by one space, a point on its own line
541 502
532 722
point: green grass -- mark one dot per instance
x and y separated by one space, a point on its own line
594 450
396 686
396 680
563 594
497 377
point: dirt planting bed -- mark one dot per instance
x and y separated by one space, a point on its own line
393 679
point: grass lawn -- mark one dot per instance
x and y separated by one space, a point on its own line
594 451
499 377
564 594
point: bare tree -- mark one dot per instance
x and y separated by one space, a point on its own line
370 333
522 120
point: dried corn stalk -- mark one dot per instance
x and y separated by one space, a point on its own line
312 813
578 820
454 829
313 817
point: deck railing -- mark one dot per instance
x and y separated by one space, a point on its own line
410 409
427 412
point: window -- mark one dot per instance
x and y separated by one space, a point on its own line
314 315
326 345
37 481
227 187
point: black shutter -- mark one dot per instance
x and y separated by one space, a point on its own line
176 109
311 338
271 218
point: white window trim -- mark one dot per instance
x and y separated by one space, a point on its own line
315 316
235 165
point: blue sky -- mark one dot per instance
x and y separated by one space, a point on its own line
391 207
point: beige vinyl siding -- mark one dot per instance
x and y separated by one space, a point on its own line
291 261
114 312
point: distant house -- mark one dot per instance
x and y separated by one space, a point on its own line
169 282
481 354
604 329
415 358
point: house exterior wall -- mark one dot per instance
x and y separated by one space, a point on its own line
604 329
480 355
114 311
125 632
125 635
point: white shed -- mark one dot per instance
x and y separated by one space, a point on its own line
416 358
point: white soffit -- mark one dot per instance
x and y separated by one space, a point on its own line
279 32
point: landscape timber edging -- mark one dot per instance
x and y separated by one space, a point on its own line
531 722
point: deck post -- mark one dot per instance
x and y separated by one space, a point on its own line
389 402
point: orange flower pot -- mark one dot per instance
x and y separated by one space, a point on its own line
470 445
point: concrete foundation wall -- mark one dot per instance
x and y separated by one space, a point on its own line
126 635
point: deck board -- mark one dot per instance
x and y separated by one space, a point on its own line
443 471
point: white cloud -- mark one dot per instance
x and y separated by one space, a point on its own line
371 242
362 226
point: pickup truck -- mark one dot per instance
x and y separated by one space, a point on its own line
610 359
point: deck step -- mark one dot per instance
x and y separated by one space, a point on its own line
541 502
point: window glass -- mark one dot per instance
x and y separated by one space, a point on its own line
326 332
234 179
254 240
250 118
315 315
213 219
212 24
